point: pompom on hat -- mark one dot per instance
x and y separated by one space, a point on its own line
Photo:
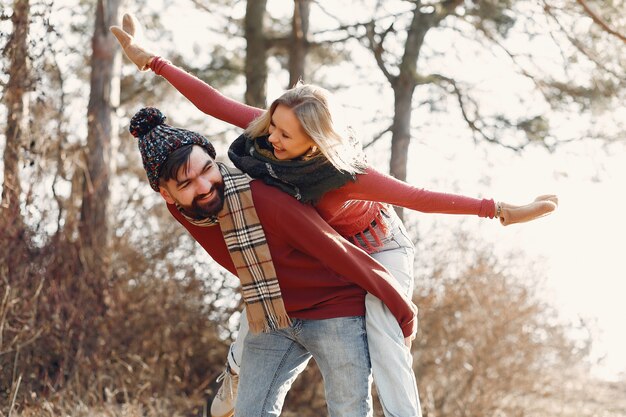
157 140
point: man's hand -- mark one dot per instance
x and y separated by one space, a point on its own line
542 206
126 37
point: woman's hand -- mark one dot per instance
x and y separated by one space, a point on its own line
126 37
542 206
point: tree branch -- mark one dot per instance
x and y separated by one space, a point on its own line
438 80
576 43
377 137
215 12
598 20
281 42
200 5
539 84
377 49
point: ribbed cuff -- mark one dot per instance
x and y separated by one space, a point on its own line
487 209
158 64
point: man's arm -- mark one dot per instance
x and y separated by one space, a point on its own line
306 231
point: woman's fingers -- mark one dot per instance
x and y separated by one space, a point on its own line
129 24
548 197
124 35
520 214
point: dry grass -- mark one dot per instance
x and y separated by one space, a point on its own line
152 408
69 343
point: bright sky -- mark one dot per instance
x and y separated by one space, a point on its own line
580 245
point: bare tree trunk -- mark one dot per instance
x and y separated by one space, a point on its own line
256 53
299 45
401 134
16 101
93 223
403 87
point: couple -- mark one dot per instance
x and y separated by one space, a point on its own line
328 276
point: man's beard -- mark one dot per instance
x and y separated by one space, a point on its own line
200 211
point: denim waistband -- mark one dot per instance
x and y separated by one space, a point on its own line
379 231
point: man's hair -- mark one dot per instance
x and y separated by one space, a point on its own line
175 161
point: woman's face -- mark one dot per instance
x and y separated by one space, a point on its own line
287 135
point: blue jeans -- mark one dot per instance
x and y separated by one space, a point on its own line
392 362
272 361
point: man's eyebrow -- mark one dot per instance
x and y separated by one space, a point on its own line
184 180
181 182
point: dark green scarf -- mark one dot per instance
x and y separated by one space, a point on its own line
307 180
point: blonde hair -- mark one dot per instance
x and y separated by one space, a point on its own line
313 107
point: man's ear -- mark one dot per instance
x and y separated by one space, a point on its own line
166 195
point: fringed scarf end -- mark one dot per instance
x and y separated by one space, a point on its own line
263 326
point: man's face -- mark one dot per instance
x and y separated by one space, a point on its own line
198 187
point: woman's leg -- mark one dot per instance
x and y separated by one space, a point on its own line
391 359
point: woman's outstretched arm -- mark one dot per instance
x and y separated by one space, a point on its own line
206 98
376 186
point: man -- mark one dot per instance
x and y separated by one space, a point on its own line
303 284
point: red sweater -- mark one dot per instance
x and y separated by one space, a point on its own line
321 275
351 208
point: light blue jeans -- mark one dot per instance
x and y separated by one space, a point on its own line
392 362
272 361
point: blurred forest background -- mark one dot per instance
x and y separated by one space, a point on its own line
108 308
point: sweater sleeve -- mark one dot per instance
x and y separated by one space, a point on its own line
376 186
206 98
306 231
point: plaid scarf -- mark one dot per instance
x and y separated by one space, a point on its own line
248 249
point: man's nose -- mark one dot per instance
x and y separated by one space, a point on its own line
205 186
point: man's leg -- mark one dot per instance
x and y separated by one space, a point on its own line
223 404
339 347
236 348
271 362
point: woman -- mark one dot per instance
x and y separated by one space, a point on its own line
297 146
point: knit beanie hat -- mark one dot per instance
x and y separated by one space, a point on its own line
157 140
